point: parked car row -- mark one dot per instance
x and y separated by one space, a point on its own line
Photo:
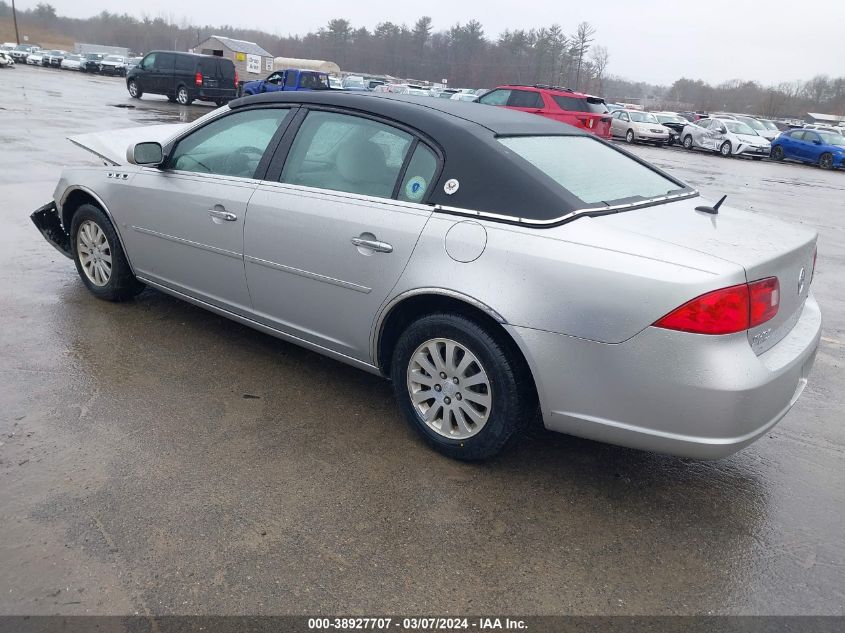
101 63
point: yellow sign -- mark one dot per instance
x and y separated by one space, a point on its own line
241 57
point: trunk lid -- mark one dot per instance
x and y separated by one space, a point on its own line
763 246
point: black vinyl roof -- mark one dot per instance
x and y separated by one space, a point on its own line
491 177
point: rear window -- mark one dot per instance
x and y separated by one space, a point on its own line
580 104
227 69
593 172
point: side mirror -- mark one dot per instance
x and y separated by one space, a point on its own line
148 153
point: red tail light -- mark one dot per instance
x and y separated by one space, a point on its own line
236 79
198 79
728 310
765 300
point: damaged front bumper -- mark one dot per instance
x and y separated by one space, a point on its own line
46 219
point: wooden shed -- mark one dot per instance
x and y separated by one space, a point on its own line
251 61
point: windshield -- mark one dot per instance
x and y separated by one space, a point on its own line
643 117
831 138
752 122
670 118
590 170
738 127
353 82
769 125
113 58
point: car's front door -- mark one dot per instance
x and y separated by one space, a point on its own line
328 235
182 224
810 147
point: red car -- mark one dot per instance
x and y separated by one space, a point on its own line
561 104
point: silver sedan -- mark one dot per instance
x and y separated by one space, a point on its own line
493 264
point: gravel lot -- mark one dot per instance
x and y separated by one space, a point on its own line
156 458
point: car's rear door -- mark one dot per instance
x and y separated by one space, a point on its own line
183 223
527 101
330 230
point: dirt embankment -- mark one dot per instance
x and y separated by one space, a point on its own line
44 37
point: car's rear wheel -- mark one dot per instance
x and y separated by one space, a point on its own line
826 161
461 389
725 149
629 136
99 257
688 141
183 97
777 153
134 89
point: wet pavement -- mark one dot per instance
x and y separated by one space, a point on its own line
156 458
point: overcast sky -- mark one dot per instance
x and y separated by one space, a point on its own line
649 40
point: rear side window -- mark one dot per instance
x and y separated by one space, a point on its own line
593 172
525 99
184 63
578 104
419 177
290 79
348 153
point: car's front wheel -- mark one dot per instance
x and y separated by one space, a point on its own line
99 257
777 153
183 97
688 142
134 89
463 391
629 136
826 161
725 149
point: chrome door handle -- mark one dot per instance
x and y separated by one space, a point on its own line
222 215
373 245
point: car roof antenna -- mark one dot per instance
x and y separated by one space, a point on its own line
714 210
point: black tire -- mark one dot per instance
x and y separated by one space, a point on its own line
134 89
121 284
629 136
688 141
221 102
777 153
725 149
183 97
826 161
512 396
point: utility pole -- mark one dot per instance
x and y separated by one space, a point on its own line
15 20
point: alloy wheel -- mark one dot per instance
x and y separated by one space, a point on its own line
826 161
449 388
182 96
133 89
94 252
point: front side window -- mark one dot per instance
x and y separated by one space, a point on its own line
347 153
496 98
593 172
231 145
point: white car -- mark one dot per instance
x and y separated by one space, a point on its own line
6 60
35 59
634 125
758 127
729 137
464 96
72 62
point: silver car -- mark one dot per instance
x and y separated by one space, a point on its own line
493 264
634 125
728 137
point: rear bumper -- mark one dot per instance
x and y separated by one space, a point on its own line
690 395
46 220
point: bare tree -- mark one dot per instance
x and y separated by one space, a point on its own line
583 38
599 60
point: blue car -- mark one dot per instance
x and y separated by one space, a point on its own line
819 147
290 79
